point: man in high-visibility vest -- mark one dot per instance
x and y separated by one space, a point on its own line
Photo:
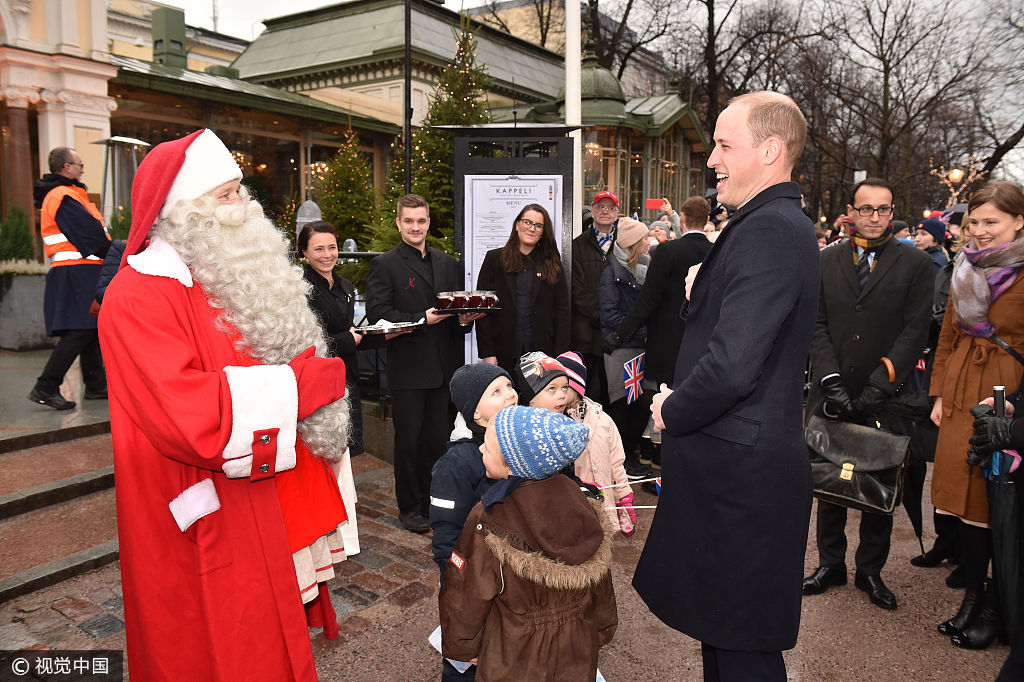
75 239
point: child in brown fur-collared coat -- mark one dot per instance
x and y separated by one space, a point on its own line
528 590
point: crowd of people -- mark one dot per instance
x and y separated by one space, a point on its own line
235 407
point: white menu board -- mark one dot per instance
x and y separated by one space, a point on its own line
492 203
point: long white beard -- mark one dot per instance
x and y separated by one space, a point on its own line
241 260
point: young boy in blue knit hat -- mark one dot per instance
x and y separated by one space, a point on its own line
527 592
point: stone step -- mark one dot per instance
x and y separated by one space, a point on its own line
55 532
29 467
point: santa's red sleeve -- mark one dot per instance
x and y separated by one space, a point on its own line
194 404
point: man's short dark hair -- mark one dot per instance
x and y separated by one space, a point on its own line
412 201
58 157
696 211
871 182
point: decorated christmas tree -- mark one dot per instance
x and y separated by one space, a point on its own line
459 100
346 195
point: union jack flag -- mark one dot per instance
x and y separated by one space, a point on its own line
633 376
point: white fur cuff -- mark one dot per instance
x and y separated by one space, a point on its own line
262 397
194 503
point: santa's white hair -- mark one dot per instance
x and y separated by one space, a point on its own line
241 260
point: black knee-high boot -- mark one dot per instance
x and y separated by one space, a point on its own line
976 549
987 626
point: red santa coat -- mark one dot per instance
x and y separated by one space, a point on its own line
209 586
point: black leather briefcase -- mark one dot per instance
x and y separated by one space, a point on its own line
857 466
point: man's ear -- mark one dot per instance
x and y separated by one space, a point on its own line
774 150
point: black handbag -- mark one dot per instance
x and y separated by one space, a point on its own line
857 466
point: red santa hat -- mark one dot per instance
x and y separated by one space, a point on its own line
186 168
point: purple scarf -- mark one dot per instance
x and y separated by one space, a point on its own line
980 276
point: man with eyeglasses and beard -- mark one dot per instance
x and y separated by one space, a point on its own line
873 315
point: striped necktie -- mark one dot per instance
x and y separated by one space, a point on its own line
864 267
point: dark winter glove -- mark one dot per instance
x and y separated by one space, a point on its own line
991 433
610 342
870 400
837 401
320 381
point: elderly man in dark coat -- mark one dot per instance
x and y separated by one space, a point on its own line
724 558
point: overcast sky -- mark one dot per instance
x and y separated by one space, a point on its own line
241 18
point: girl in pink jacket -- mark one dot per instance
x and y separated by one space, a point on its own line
602 461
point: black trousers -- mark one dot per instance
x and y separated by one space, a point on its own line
73 343
421 422
724 665
597 381
631 420
873 548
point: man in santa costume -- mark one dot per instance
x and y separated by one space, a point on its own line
224 420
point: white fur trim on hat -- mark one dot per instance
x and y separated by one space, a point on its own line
208 164
262 397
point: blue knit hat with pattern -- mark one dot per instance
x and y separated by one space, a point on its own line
537 443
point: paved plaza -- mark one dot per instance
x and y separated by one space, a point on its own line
385 596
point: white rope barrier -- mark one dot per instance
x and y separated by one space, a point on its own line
619 485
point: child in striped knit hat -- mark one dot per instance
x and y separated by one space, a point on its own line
602 462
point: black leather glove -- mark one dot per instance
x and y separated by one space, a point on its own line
870 400
837 401
610 342
991 433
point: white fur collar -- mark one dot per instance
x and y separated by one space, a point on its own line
161 260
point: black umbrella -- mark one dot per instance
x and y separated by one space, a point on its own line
903 415
1003 519
913 484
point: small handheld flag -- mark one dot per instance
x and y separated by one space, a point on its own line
633 376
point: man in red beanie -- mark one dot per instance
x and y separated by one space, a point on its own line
223 419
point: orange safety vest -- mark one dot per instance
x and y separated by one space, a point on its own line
56 245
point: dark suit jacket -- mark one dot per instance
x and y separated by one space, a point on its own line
855 328
660 305
399 288
496 333
588 261
724 558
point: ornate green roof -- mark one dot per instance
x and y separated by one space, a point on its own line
232 91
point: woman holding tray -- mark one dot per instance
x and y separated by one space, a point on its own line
533 298
332 298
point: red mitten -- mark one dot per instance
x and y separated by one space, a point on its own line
627 502
320 381
625 525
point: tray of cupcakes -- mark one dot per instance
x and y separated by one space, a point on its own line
458 302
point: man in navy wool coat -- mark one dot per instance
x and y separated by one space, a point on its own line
724 558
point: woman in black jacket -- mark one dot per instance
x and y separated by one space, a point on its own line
527 273
333 300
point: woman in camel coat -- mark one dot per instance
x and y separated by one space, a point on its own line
986 301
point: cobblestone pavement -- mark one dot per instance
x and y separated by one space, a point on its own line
386 601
